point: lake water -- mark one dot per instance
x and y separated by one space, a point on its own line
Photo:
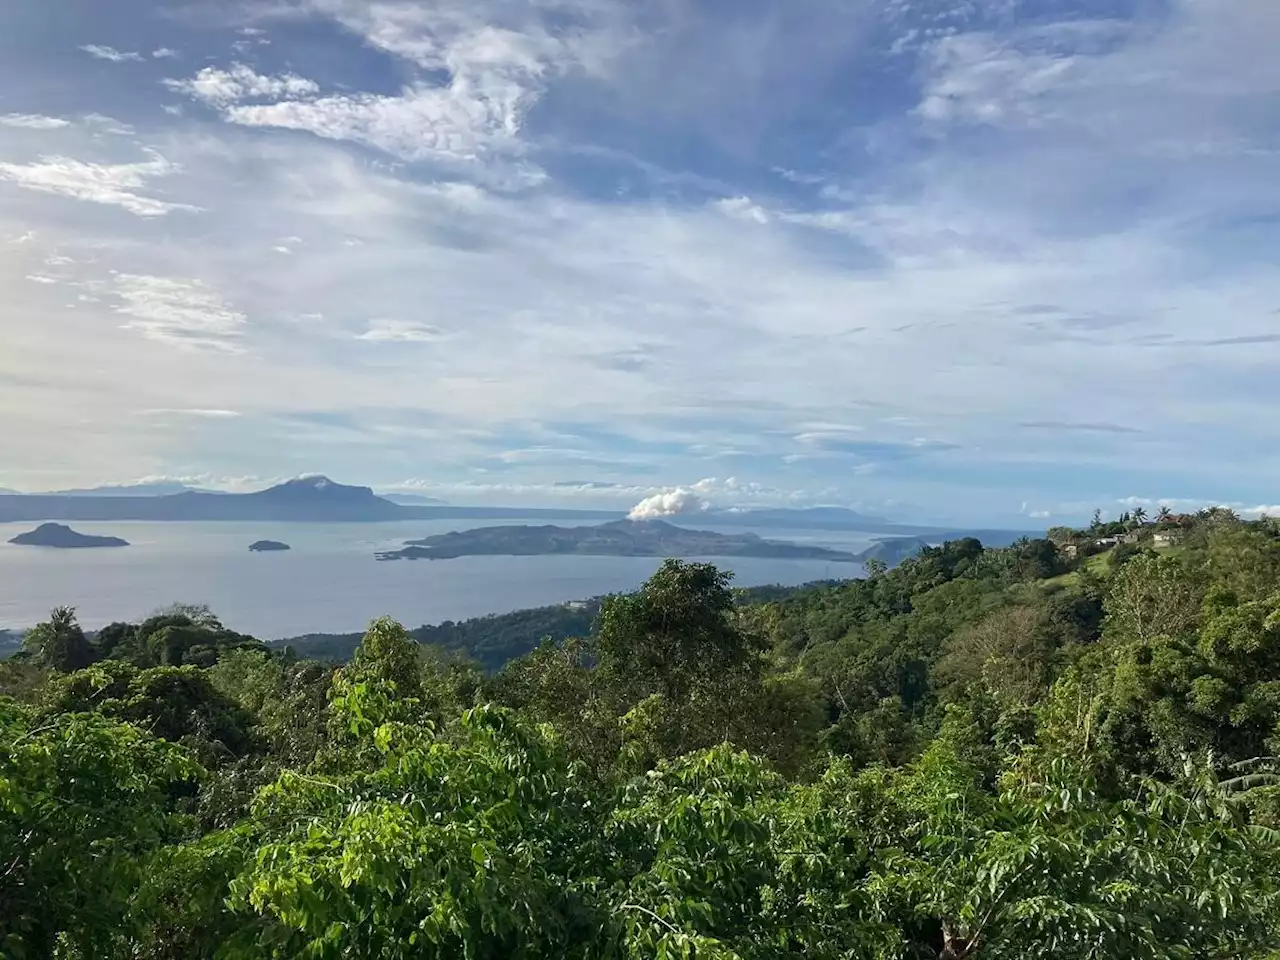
330 582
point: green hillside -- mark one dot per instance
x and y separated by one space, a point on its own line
1058 749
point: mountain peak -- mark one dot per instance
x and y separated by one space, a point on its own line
317 487
315 481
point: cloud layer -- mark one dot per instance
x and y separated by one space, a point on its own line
925 258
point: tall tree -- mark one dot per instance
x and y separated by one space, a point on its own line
59 643
676 631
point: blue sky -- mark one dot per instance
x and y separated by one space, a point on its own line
997 260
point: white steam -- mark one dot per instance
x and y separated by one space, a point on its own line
669 503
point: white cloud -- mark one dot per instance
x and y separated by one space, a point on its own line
421 123
400 331
497 62
184 313
1017 263
164 53
479 111
979 79
742 208
41 278
219 87
110 53
670 503
32 121
105 124
113 184
195 412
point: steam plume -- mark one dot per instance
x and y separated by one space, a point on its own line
669 503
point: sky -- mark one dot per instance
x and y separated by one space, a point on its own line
980 260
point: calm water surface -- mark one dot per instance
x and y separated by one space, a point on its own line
329 581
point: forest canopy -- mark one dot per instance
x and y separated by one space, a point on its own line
1059 748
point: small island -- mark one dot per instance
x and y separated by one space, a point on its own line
621 538
268 546
64 538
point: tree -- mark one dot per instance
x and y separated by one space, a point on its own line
482 847
675 632
1037 559
178 704
84 801
1139 515
875 567
59 643
1050 866
1151 596
1164 515
1006 653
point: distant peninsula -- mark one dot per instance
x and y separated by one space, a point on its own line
268 546
64 538
621 538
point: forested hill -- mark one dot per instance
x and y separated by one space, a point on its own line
1065 749
494 640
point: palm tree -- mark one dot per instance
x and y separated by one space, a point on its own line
1164 514
1139 516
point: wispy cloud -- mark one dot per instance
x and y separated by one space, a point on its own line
33 121
400 331
1068 426
101 52
194 412
184 313
115 184
219 87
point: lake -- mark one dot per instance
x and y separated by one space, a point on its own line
330 582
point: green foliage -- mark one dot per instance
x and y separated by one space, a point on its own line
970 755
449 850
83 801
178 704
674 633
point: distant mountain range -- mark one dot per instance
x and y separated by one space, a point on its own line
412 499
319 499
162 489
312 499
840 518
131 490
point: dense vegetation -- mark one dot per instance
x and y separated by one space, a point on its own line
1044 750
494 640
